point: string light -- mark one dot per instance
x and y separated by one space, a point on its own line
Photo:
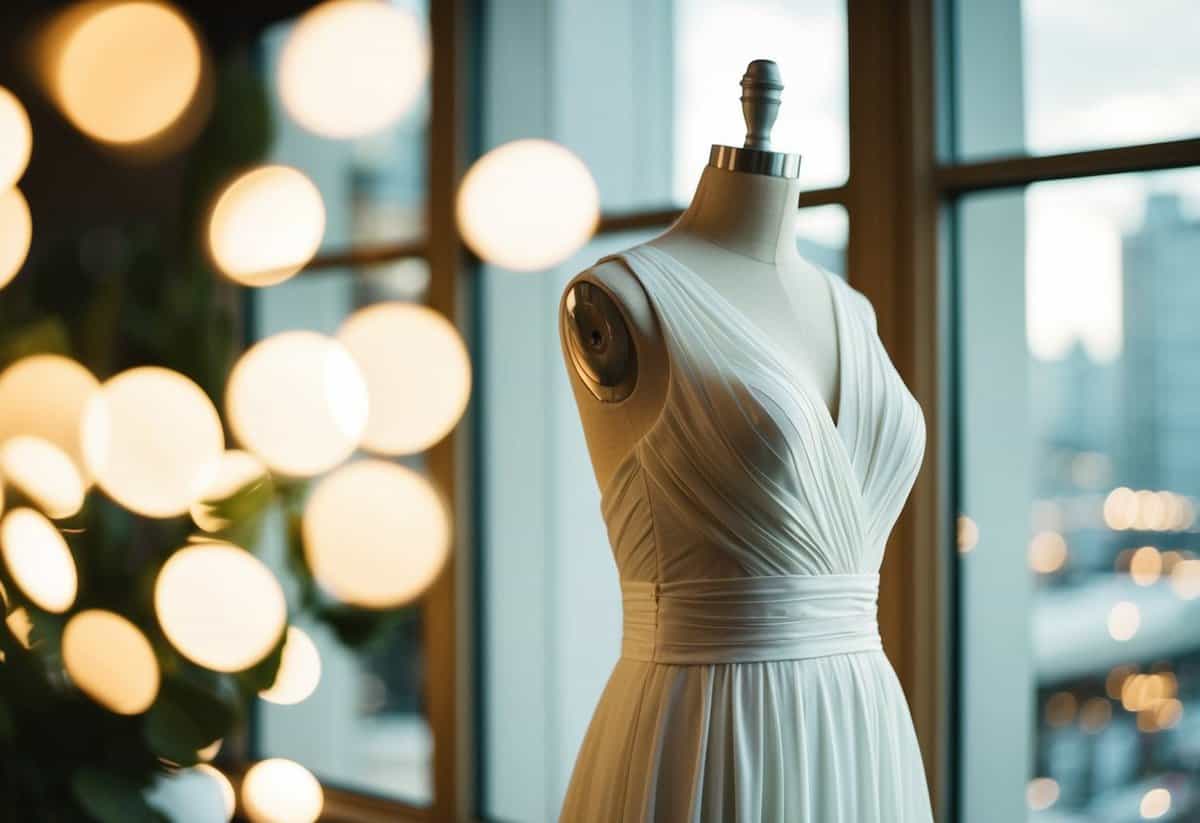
45 396
417 371
266 225
111 661
281 791
38 560
125 72
375 534
153 440
16 139
299 670
219 606
17 234
298 401
353 68
528 205
44 474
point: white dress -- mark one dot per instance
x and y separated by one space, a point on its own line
748 529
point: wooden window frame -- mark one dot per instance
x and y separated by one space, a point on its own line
900 197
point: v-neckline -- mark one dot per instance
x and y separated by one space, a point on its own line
768 344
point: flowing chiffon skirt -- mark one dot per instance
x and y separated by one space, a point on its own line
826 740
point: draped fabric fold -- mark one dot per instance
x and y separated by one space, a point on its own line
748 528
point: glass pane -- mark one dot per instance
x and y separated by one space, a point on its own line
821 235
365 727
373 187
641 90
1079 484
716 39
1048 76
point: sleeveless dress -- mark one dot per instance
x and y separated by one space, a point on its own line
748 528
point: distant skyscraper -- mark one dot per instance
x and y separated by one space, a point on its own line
1161 360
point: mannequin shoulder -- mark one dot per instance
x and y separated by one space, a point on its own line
622 288
607 324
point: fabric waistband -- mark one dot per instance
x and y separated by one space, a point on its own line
750 619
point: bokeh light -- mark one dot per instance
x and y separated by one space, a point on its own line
153 440
219 606
1060 709
38 560
125 72
266 225
1124 619
1155 803
44 396
375 534
1047 552
17 234
968 534
281 791
16 139
528 205
1185 579
353 67
211 750
1041 793
236 471
44 474
111 661
200 794
298 401
1095 714
1145 566
1120 508
299 670
417 371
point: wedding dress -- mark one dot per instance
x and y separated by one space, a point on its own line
748 527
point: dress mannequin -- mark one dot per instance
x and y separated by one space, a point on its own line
738 234
754 446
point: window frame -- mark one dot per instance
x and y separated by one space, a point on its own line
900 198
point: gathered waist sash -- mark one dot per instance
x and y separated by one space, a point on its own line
750 619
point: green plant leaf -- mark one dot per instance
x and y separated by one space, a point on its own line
240 515
186 717
110 798
45 336
262 675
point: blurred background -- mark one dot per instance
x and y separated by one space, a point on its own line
1014 183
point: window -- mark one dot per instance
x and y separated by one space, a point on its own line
1080 437
1074 283
1048 76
